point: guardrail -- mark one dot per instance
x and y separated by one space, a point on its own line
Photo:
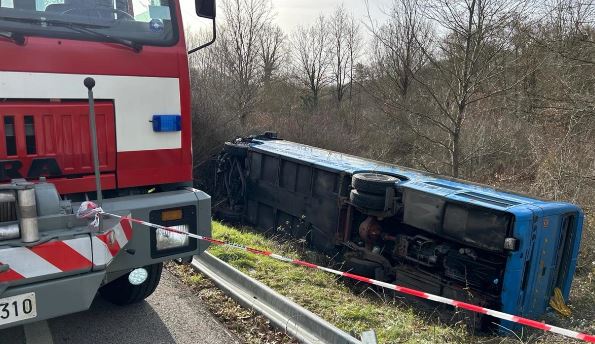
298 322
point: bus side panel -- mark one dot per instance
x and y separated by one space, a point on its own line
293 198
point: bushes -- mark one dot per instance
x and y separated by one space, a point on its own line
524 120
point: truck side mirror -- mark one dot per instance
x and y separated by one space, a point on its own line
206 8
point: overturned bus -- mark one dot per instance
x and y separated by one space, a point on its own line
448 237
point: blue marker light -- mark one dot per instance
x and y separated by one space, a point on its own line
167 123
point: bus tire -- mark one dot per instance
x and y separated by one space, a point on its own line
367 201
373 183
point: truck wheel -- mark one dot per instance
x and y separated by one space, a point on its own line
366 201
373 183
121 292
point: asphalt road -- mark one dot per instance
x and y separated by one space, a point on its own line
171 315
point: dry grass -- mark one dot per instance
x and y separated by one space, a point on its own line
249 326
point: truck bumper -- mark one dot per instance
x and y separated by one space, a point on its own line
61 293
60 296
141 250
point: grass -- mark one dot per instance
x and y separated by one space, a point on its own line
327 296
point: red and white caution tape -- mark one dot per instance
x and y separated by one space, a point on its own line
404 290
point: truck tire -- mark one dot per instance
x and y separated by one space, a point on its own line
121 292
366 200
373 183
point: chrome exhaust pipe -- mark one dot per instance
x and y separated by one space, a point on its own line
9 231
28 212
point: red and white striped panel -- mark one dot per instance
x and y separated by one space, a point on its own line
108 244
72 255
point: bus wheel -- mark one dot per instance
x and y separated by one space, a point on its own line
373 183
367 201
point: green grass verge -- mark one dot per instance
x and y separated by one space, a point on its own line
328 297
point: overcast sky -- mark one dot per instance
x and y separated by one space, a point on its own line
292 13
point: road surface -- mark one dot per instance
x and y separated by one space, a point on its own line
171 315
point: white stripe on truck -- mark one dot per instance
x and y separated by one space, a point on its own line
26 263
82 246
136 100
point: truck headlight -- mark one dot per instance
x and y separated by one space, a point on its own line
165 243
168 240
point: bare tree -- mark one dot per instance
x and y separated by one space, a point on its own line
245 23
398 52
311 59
567 18
272 52
401 48
563 102
210 97
466 66
344 33
354 46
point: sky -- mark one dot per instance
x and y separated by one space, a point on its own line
292 13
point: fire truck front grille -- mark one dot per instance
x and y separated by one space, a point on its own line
8 207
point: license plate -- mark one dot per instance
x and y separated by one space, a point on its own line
17 308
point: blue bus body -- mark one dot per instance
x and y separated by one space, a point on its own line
304 190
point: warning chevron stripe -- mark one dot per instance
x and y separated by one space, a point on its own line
59 256
62 256
10 275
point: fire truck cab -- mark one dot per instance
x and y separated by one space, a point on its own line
51 262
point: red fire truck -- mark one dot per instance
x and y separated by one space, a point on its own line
94 104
